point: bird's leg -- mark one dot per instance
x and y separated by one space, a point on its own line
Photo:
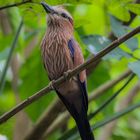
67 74
51 84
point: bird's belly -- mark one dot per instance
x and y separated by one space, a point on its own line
57 62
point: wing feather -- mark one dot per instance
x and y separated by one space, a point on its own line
78 59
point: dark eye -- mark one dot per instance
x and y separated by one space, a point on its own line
64 15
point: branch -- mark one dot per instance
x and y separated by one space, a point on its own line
94 95
2 78
15 4
62 79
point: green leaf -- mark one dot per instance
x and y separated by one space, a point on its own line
119 30
135 8
119 10
135 67
96 43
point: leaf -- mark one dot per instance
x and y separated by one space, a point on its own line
119 10
135 67
119 30
81 21
96 43
135 8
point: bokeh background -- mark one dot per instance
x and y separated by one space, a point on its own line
97 24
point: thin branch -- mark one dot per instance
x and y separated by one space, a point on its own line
62 79
2 78
15 4
116 116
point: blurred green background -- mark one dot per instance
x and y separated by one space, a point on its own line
97 24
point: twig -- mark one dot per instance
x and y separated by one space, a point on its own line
15 4
2 79
75 71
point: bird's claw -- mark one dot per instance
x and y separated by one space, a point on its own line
67 74
51 85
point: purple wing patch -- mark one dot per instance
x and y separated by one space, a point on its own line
71 48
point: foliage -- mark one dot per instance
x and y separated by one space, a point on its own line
94 21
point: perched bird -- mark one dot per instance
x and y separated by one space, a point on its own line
61 53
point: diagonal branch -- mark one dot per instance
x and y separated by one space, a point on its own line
15 4
62 79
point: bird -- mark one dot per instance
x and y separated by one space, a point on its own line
61 53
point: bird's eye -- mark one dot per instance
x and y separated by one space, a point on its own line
64 15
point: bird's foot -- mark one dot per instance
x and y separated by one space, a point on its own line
51 85
67 74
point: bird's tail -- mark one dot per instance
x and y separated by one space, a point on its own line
84 129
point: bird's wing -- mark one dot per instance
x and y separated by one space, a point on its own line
78 59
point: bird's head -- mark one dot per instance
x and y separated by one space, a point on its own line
58 17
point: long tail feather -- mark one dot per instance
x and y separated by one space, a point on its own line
84 129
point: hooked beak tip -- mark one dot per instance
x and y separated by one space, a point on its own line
47 8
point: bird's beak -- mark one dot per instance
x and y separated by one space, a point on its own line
47 8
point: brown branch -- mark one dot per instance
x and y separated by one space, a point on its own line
15 4
94 95
62 79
